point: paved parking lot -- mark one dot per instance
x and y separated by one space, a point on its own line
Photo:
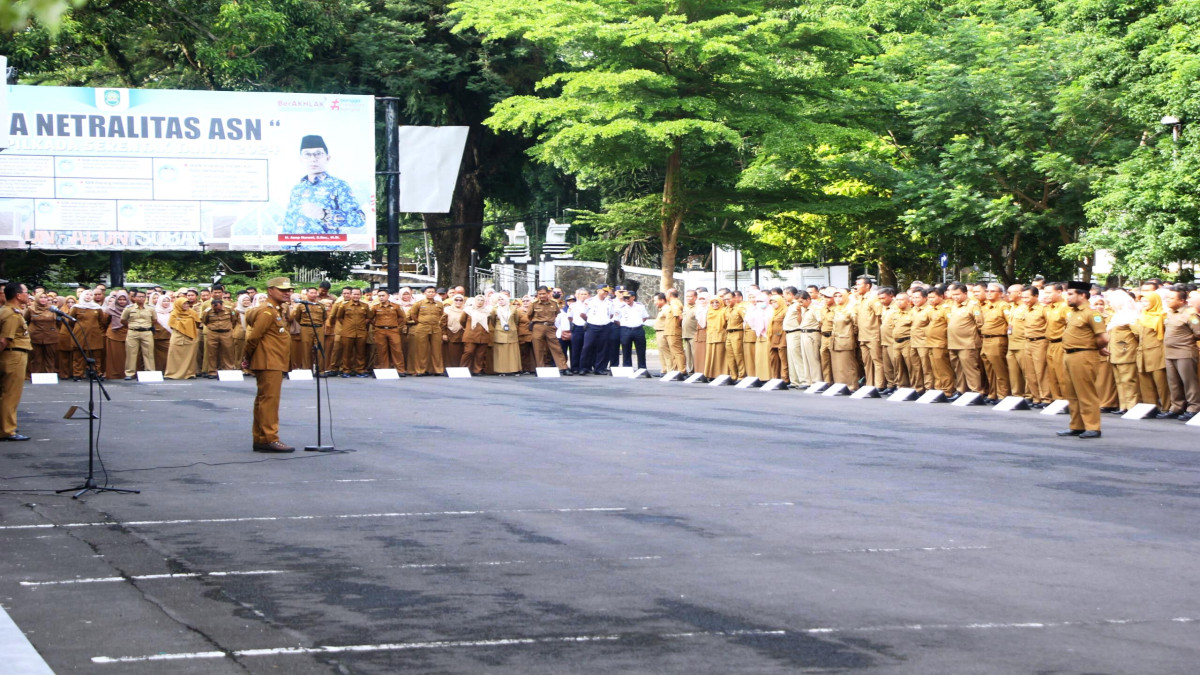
595 525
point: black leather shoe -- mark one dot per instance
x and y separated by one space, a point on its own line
1119 412
952 399
991 401
1186 416
1090 434
1167 415
1037 406
128 379
565 373
14 437
1071 432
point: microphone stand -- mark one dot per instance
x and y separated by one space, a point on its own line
89 483
318 353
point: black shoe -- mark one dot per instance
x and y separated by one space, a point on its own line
1186 416
364 375
565 373
74 379
402 374
1167 415
1071 432
128 379
14 437
344 375
991 401
1119 412
1090 434
955 397
1107 409
604 372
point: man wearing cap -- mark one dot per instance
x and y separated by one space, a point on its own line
320 203
1084 341
15 348
267 351
542 314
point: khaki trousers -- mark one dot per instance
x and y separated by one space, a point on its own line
926 381
689 354
354 354
943 370
826 359
810 353
965 363
1080 385
1016 372
544 341
995 366
304 360
1035 371
44 358
138 343
797 370
12 385
265 426
1154 389
1185 390
734 366
389 349
1106 385
871 354
1053 372
1125 376
675 345
218 352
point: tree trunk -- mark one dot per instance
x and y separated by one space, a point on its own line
887 275
452 247
672 215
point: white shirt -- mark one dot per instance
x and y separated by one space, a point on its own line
562 322
632 316
599 312
577 311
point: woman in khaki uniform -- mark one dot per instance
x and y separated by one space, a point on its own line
700 342
476 335
162 331
714 354
456 319
776 341
761 335
181 355
66 346
90 334
43 332
506 354
1152 358
843 341
115 333
1123 348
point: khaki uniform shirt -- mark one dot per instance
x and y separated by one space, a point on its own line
1056 320
543 311
962 326
688 322
1016 326
1035 321
319 312
426 315
217 319
844 338
936 330
352 317
868 315
995 319
920 326
14 329
1082 327
43 326
389 315
902 325
268 344
887 326
138 318
1180 331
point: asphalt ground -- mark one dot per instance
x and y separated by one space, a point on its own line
595 525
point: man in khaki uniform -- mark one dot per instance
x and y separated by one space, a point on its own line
868 314
902 354
887 341
1181 329
426 318
735 314
689 327
267 347
674 332
1015 358
920 370
218 324
16 346
811 319
311 318
994 329
937 337
827 307
334 329
962 338
843 341
1056 322
542 314
140 340
352 318
390 322
1084 341
1033 316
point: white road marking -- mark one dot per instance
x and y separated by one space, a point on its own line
152 577
583 639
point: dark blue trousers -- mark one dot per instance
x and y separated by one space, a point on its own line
577 333
595 347
633 338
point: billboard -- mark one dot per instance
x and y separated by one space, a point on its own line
152 169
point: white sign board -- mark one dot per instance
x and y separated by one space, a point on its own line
157 169
429 161
300 375
230 376
386 374
548 372
44 378
150 376
458 373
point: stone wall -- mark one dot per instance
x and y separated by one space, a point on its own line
570 275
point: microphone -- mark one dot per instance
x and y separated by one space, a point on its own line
306 302
61 314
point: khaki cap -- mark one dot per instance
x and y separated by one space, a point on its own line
282 283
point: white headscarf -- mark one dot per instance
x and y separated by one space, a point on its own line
86 301
1125 310
503 311
162 311
479 315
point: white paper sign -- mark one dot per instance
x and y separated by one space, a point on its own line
694 378
386 374
903 394
671 376
747 383
300 375
774 384
865 392
621 371
816 388
969 398
150 376
932 396
1010 403
458 373
720 381
1141 411
45 378
836 390
548 372
1058 407
230 376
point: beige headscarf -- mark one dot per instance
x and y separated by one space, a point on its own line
183 320
454 315
479 315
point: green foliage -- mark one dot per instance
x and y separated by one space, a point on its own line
16 14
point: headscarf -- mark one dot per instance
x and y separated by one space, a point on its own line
183 320
114 310
503 311
259 299
756 315
702 310
780 308
454 315
162 311
479 315
241 308
86 301
406 304
1153 316
1125 310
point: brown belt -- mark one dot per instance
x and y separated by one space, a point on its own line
1081 349
218 330
1036 339
19 349
994 336
141 329
899 340
1056 340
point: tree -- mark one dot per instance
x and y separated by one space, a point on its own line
675 89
